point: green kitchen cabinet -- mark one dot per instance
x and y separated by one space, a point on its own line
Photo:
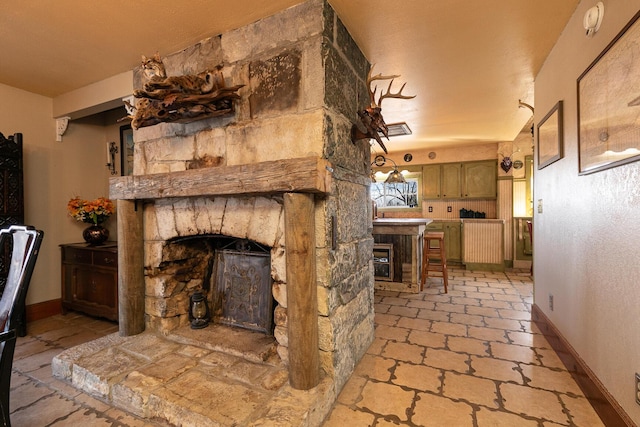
452 238
480 179
431 181
451 180
465 180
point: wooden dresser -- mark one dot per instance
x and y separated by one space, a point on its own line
90 279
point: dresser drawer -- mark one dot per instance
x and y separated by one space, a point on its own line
105 259
77 256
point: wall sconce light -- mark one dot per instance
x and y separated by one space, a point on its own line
112 149
198 311
61 127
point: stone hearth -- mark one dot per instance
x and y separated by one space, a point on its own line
218 376
282 172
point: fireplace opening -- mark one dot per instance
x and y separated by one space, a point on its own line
241 289
233 273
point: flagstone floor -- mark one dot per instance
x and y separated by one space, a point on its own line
471 357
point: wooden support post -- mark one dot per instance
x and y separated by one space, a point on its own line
130 268
302 296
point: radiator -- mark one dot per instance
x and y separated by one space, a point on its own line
483 242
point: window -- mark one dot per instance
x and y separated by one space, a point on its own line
397 195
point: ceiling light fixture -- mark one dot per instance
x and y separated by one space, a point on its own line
395 176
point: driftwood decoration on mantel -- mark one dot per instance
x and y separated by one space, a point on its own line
180 99
371 117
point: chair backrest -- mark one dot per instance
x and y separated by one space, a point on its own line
25 243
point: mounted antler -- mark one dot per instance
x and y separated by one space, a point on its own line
371 117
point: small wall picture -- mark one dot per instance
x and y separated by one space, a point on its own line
126 150
550 137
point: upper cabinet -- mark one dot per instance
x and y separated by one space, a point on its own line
468 180
480 179
431 182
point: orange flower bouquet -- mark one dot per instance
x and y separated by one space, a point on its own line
91 211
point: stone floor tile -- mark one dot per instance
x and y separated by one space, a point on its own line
404 351
489 418
487 312
414 324
475 302
391 333
513 352
352 390
501 370
495 304
437 411
528 339
375 367
427 305
85 418
44 411
508 298
433 315
467 319
387 319
550 379
37 361
403 311
30 347
377 346
549 358
481 296
450 308
395 301
449 328
386 399
25 394
509 324
581 411
533 402
487 334
381 308
418 377
342 416
514 314
381 422
445 359
427 339
467 345
477 391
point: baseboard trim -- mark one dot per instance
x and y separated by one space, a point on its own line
41 310
610 412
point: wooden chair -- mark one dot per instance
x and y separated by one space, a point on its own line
24 242
434 258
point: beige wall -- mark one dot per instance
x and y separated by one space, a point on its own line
586 240
53 173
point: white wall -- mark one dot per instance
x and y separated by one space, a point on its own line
53 173
587 238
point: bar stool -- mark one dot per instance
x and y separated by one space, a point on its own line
434 258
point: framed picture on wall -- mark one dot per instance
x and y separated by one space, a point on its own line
609 104
126 150
550 143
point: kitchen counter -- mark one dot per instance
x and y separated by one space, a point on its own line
402 237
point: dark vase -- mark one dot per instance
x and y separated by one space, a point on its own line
95 235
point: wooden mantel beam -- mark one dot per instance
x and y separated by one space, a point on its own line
300 175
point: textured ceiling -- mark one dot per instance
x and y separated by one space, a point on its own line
468 62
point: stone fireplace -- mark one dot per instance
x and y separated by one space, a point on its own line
280 173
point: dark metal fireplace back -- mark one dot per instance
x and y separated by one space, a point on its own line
242 294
